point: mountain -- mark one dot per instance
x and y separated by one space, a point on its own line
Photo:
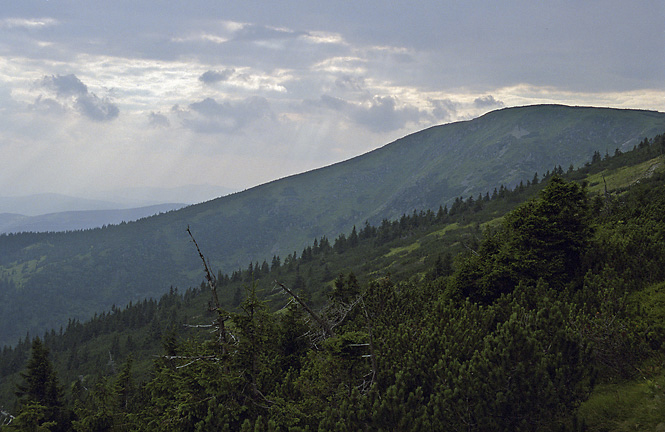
45 279
38 204
78 220
123 198
420 312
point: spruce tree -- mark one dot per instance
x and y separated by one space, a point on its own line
40 392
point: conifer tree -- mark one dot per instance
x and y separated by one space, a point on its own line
41 394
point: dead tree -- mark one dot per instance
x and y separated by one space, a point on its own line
222 315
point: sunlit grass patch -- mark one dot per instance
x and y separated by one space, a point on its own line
624 176
404 249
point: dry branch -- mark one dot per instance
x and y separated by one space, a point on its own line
221 314
323 323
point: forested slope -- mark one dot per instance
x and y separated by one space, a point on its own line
540 306
47 278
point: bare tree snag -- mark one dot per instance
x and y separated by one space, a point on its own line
323 323
221 314
371 341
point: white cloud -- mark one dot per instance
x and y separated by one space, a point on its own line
319 37
344 65
29 23
280 87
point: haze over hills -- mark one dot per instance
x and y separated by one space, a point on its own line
58 212
45 203
49 278
118 199
78 220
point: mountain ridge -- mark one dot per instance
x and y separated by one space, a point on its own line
420 171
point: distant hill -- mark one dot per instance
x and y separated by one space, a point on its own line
39 204
78 220
47 278
113 199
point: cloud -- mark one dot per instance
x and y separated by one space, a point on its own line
487 102
383 114
158 120
378 113
210 116
95 108
254 32
86 103
334 103
65 85
444 109
48 106
349 82
27 23
211 77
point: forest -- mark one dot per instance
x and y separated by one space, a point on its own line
46 278
540 307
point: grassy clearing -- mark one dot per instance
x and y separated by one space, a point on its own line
443 231
625 176
17 271
403 249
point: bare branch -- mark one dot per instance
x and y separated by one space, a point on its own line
209 276
371 341
199 325
221 314
323 323
5 418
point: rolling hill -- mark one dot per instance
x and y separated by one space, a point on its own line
45 279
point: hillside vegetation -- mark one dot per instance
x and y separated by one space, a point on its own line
538 307
48 278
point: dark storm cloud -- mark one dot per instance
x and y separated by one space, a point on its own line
65 85
210 116
487 102
95 108
211 77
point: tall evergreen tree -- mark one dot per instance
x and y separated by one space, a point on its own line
41 393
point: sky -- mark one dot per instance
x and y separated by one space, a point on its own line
100 96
